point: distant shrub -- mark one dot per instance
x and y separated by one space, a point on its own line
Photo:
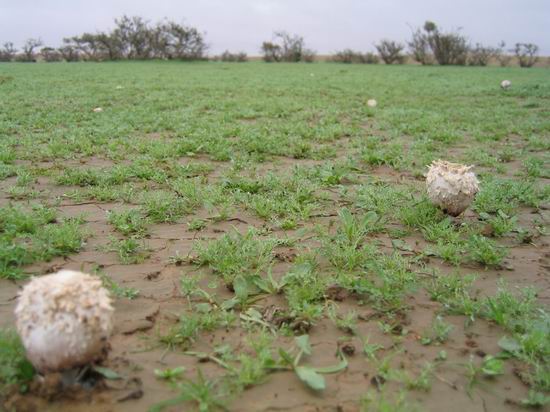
49 54
7 52
420 45
29 47
450 48
351 56
390 51
526 53
286 48
371 58
502 57
136 39
481 55
227 56
431 44
69 53
271 52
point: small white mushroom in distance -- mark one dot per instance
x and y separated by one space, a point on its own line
372 103
451 186
64 320
505 84
97 110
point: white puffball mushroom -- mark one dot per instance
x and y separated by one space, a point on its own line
505 84
97 110
451 186
64 320
372 103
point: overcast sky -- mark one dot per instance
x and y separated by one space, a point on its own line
327 25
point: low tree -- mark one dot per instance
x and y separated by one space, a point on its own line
51 55
87 46
449 48
527 54
429 44
131 33
288 48
420 44
271 52
390 51
109 45
29 48
69 53
184 43
7 52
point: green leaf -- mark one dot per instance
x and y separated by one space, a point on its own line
203 307
303 343
286 357
107 373
26 370
311 378
401 245
333 369
229 303
509 344
492 366
240 285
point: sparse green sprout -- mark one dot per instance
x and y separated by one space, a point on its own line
438 333
197 224
128 222
170 374
130 251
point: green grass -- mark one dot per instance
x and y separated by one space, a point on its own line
34 235
16 370
332 226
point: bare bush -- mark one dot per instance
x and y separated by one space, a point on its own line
288 48
481 55
526 53
227 56
390 51
7 52
51 55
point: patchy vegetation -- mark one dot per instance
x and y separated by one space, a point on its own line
268 238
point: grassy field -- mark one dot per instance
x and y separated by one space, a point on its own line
267 236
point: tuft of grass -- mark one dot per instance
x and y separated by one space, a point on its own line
164 207
235 254
28 236
128 222
130 251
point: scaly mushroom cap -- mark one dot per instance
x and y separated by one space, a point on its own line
372 103
505 84
451 186
64 320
